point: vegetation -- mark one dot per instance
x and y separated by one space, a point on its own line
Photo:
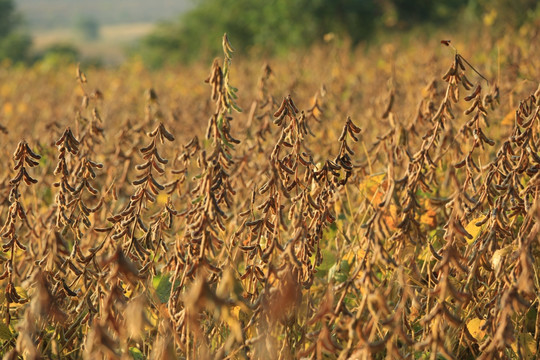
269 26
340 203
276 27
14 43
59 54
87 27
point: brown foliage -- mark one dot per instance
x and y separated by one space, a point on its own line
283 233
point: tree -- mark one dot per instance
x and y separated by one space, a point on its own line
276 26
264 26
87 27
14 43
7 17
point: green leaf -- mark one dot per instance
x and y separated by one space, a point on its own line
236 107
5 333
340 273
163 285
136 353
329 260
196 200
332 272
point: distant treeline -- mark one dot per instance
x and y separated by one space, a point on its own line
276 26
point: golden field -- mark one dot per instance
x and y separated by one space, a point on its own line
352 204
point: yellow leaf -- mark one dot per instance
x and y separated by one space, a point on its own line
231 318
128 290
429 217
235 312
509 119
372 182
22 293
316 112
527 345
354 255
490 18
474 230
162 199
392 218
474 327
370 185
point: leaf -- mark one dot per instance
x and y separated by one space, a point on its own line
162 285
500 254
474 230
136 353
196 200
236 107
332 272
509 119
162 199
474 327
5 333
527 346
370 184
232 319
22 292
352 256
429 217
235 312
343 273
329 260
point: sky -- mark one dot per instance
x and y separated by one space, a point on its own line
48 14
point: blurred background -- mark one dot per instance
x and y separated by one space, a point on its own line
167 32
